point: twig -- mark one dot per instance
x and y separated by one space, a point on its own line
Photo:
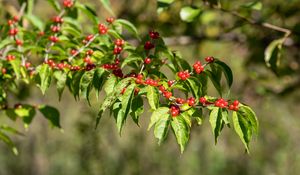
287 32
83 47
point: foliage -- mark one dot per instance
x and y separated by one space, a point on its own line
61 52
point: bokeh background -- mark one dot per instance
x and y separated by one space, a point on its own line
81 150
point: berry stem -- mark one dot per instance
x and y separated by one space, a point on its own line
83 47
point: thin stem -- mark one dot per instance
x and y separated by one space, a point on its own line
287 32
83 47
22 10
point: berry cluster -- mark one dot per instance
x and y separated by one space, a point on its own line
102 29
13 31
10 57
151 82
154 35
209 59
234 106
68 3
183 75
198 67
148 45
118 46
221 103
110 19
174 110
191 101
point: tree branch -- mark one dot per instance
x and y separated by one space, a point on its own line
287 32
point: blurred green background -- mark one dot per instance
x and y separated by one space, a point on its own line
81 150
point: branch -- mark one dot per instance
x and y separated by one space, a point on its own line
287 32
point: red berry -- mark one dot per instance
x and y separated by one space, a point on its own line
87 60
57 19
89 52
53 39
60 66
13 32
171 82
55 29
89 37
202 100
3 70
16 18
235 103
27 64
167 94
162 88
19 42
119 42
68 3
10 57
148 45
110 19
147 60
73 52
183 75
209 59
117 50
10 22
180 100
154 35
102 29
191 101
41 33
136 91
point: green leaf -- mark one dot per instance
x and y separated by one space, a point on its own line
75 83
8 142
248 113
126 105
132 58
90 13
86 84
216 122
16 63
61 78
273 54
156 115
55 4
51 114
194 86
225 117
35 21
99 79
129 26
255 5
112 97
137 108
44 74
188 14
27 113
242 128
11 130
5 42
214 79
181 130
153 97
166 1
107 6
110 84
226 71
161 128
